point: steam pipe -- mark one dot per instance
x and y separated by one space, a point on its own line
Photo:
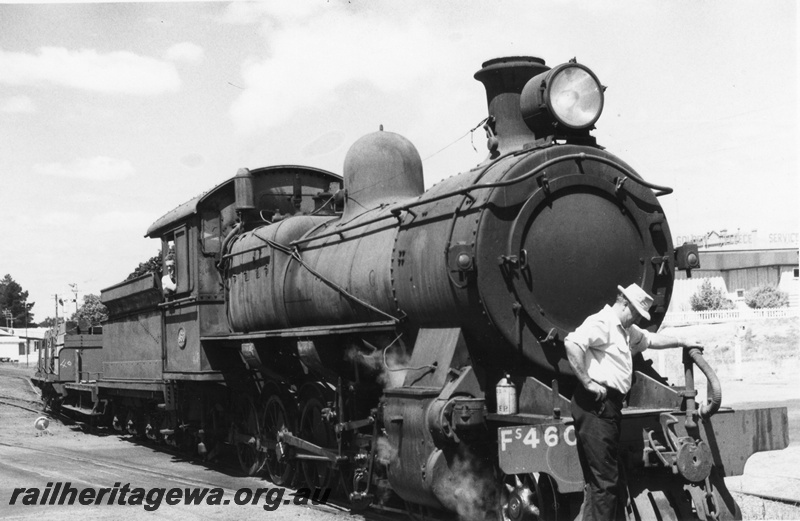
715 389
231 234
706 410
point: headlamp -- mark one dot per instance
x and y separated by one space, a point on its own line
566 98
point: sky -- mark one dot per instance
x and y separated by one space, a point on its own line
112 114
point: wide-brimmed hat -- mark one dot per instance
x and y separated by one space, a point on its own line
638 298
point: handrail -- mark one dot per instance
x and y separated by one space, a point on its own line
693 356
714 401
661 190
180 301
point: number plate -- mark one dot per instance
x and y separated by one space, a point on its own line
550 448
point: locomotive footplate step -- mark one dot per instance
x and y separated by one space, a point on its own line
81 386
522 418
81 410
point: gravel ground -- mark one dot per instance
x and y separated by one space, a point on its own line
67 454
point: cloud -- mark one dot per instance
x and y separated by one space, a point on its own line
95 169
157 21
98 223
247 13
311 59
17 104
243 13
119 72
193 160
114 221
51 219
325 143
185 51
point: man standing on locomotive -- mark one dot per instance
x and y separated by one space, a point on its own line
168 284
601 353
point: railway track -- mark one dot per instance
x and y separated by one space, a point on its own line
142 473
105 465
21 403
77 457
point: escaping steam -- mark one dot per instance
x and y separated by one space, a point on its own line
469 488
390 362
385 453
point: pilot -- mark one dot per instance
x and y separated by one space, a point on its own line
168 284
601 353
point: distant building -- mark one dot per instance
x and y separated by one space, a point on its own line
27 342
740 261
10 346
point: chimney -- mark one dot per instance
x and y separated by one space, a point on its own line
504 79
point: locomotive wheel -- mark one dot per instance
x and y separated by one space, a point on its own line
553 504
134 424
251 455
346 475
212 431
52 401
277 419
417 512
659 497
519 498
187 443
152 428
656 504
318 474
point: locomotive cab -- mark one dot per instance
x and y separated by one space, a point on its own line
197 235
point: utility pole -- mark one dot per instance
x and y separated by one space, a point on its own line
9 318
27 340
56 326
74 287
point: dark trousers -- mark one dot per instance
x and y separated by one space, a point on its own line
597 429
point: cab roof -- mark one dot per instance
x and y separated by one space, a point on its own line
179 214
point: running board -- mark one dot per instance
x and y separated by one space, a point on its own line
386 325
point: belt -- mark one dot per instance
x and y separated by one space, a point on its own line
614 395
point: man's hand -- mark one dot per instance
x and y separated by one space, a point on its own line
598 390
693 344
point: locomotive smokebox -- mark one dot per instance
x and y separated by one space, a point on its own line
504 79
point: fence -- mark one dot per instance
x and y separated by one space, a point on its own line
681 318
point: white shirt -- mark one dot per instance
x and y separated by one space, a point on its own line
167 284
608 348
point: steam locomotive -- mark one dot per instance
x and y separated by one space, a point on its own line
406 346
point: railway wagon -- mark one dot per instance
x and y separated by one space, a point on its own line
68 366
355 331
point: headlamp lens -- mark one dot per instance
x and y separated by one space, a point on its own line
576 97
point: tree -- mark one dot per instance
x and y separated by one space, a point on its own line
709 298
151 265
766 297
13 299
92 312
48 322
